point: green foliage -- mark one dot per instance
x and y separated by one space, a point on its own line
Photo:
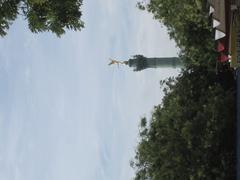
8 13
182 18
42 15
191 134
188 24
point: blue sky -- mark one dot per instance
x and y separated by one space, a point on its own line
65 114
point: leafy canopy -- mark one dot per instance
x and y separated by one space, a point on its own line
187 23
42 15
191 134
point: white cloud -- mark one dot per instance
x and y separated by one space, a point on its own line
65 109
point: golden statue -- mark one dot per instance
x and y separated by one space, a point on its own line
113 61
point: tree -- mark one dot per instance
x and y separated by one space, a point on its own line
8 13
191 135
188 24
42 15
